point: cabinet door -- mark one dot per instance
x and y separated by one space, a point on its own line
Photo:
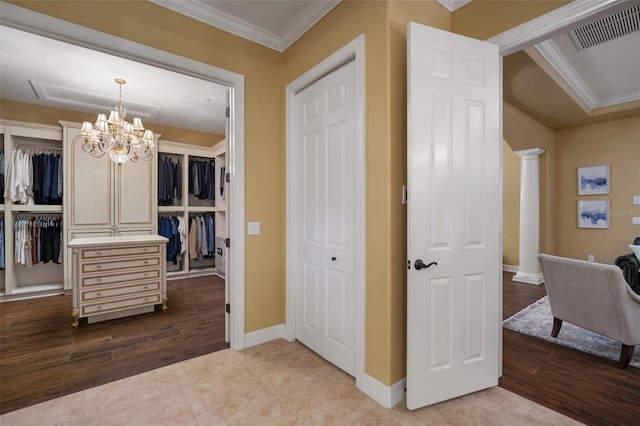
135 195
88 186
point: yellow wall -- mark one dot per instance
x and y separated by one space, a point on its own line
10 110
482 19
510 206
616 143
152 25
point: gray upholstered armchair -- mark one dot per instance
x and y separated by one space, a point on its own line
595 297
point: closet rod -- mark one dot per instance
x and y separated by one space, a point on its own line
37 147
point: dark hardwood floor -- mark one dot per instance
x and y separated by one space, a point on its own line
43 357
586 388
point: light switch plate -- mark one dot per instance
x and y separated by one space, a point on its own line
636 199
635 220
253 228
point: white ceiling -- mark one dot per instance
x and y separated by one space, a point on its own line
37 70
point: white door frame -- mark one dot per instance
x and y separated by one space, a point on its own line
352 50
57 29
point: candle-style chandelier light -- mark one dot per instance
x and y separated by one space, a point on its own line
123 141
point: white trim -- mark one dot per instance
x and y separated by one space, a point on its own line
264 335
312 14
510 268
528 278
354 49
453 5
553 23
47 26
279 42
387 396
558 61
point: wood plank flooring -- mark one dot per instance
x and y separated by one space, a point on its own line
586 388
43 357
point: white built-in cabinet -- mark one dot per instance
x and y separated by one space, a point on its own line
19 280
103 198
186 205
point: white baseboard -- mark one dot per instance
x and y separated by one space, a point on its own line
263 335
387 396
510 268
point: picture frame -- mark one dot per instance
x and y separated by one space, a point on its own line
593 180
593 214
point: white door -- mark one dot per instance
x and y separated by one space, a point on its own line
325 194
454 216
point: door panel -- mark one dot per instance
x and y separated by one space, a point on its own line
135 183
325 129
454 216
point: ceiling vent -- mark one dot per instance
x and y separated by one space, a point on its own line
614 26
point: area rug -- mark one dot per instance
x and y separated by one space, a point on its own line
536 320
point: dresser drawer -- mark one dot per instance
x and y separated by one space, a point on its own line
116 305
114 265
125 277
100 253
88 295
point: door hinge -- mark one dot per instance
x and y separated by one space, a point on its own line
227 177
227 308
227 112
405 195
227 242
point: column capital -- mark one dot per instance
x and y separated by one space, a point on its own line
532 153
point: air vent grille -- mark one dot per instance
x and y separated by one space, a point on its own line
614 26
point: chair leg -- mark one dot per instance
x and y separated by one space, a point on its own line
557 324
625 355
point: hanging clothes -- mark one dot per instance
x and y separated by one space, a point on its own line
38 240
34 177
172 228
2 171
169 181
202 178
202 238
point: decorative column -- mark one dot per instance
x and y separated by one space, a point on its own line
529 216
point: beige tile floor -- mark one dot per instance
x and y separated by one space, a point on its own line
276 383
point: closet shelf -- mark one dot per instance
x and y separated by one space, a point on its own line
200 209
36 208
170 209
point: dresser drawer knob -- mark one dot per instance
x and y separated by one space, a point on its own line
146 287
98 294
146 262
99 307
98 253
98 266
99 279
146 275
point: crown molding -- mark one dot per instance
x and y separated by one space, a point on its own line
229 23
311 15
216 18
553 23
453 5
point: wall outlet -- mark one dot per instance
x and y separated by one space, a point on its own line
253 228
636 199
591 258
635 220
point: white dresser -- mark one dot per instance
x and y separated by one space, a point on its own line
113 277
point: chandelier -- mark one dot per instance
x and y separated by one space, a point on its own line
122 140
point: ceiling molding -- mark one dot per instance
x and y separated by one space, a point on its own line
557 60
229 23
556 22
224 21
453 5
311 15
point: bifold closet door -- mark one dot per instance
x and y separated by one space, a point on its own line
325 182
